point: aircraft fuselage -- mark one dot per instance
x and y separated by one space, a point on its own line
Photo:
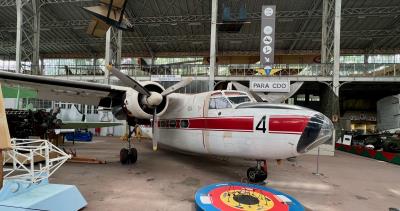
248 130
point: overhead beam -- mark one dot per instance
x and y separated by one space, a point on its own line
10 3
140 33
72 33
207 53
132 40
392 28
290 15
315 5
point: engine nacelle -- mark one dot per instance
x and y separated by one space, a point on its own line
134 104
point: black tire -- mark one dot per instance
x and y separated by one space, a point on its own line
255 175
123 156
251 174
132 155
262 176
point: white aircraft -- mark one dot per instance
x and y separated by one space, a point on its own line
223 123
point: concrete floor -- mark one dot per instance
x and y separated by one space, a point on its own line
166 180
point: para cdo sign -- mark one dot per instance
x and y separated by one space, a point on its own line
270 86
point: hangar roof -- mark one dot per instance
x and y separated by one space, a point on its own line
182 27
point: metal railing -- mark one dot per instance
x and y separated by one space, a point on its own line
279 70
369 70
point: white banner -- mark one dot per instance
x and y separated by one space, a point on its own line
267 43
270 86
166 78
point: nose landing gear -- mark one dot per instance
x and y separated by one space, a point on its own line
128 155
259 173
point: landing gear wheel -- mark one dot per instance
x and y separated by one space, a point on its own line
124 156
132 155
256 175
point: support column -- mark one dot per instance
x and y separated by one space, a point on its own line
213 43
336 48
327 39
119 48
336 67
36 70
18 37
28 35
113 49
330 61
330 45
107 55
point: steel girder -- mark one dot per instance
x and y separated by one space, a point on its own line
28 34
129 40
305 14
10 3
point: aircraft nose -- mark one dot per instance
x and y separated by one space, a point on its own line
318 130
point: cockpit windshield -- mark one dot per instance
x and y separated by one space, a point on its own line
239 99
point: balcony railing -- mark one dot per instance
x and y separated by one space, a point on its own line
278 70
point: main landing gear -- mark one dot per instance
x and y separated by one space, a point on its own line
128 155
259 173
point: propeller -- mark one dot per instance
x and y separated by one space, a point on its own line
128 81
155 133
177 86
153 98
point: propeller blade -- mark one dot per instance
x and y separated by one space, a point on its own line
128 81
155 133
243 88
280 97
240 87
256 96
177 86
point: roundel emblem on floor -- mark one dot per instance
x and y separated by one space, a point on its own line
244 197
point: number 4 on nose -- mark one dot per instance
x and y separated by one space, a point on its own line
262 121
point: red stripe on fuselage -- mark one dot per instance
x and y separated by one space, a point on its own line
290 124
238 124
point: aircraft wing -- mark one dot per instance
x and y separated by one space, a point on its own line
97 28
107 13
47 88
86 125
114 3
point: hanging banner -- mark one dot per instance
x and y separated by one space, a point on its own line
267 44
269 86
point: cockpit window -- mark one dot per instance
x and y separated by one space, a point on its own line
219 103
239 99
